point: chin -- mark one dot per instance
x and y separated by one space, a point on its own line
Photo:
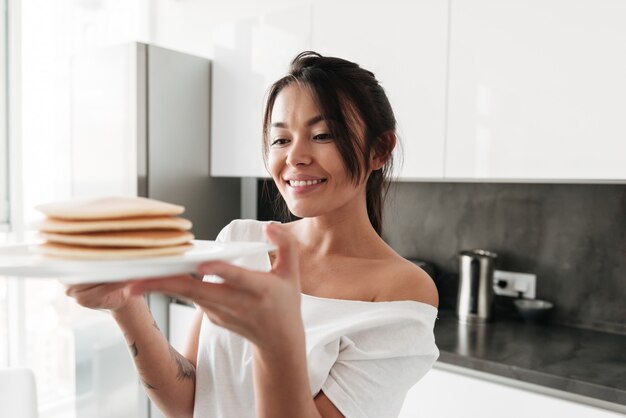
303 212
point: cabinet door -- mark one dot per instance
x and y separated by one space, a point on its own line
404 44
537 90
248 56
444 394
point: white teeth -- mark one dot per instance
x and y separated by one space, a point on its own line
302 183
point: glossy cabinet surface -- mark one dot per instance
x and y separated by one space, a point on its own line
404 45
537 90
445 394
248 56
483 90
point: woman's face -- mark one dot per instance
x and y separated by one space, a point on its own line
304 160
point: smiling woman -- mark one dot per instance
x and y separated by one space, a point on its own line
335 323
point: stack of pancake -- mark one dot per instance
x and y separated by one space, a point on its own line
113 228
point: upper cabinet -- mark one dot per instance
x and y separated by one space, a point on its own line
483 90
537 90
248 56
404 44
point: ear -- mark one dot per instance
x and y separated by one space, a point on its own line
382 150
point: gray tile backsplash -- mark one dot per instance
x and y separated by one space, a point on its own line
572 236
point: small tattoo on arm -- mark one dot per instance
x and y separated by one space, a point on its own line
154 324
186 370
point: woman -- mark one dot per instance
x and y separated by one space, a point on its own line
336 323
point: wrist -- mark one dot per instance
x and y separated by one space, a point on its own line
133 305
281 382
286 359
282 346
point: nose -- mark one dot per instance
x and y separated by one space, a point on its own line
299 152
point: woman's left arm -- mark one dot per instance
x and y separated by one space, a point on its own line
265 309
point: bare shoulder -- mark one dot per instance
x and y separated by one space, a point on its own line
408 282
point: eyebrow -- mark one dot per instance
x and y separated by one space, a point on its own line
310 122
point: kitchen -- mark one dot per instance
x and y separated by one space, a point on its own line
510 118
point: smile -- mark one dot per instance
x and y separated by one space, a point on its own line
303 183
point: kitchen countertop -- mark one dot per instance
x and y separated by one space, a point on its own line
579 361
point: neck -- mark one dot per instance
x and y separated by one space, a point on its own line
347 231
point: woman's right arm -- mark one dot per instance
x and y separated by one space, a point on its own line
168 376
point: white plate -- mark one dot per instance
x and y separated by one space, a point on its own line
21 261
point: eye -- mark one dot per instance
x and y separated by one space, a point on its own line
323 137
278 142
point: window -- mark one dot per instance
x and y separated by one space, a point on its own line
4 183
4 150
70 349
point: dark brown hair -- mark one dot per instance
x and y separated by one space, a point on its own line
354 104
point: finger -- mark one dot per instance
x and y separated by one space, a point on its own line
234 320
201 293
225 319
95 296
235 276
183 286
286 264
77 288
97 289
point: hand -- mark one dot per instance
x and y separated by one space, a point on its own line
113 296
264 307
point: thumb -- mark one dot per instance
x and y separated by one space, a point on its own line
286 265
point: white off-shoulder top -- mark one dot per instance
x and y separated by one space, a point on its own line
364 356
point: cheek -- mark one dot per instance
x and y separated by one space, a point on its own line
275 167
273 163
338 168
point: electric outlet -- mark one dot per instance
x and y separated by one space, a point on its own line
510 283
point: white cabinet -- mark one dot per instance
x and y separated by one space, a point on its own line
537 90
248 56
483 90
445 394
404 44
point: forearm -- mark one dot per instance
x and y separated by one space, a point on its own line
168 377
282 386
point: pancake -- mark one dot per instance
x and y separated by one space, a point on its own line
152 238
123 224
107 253
113 207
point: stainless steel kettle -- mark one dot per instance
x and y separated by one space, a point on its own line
475 297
